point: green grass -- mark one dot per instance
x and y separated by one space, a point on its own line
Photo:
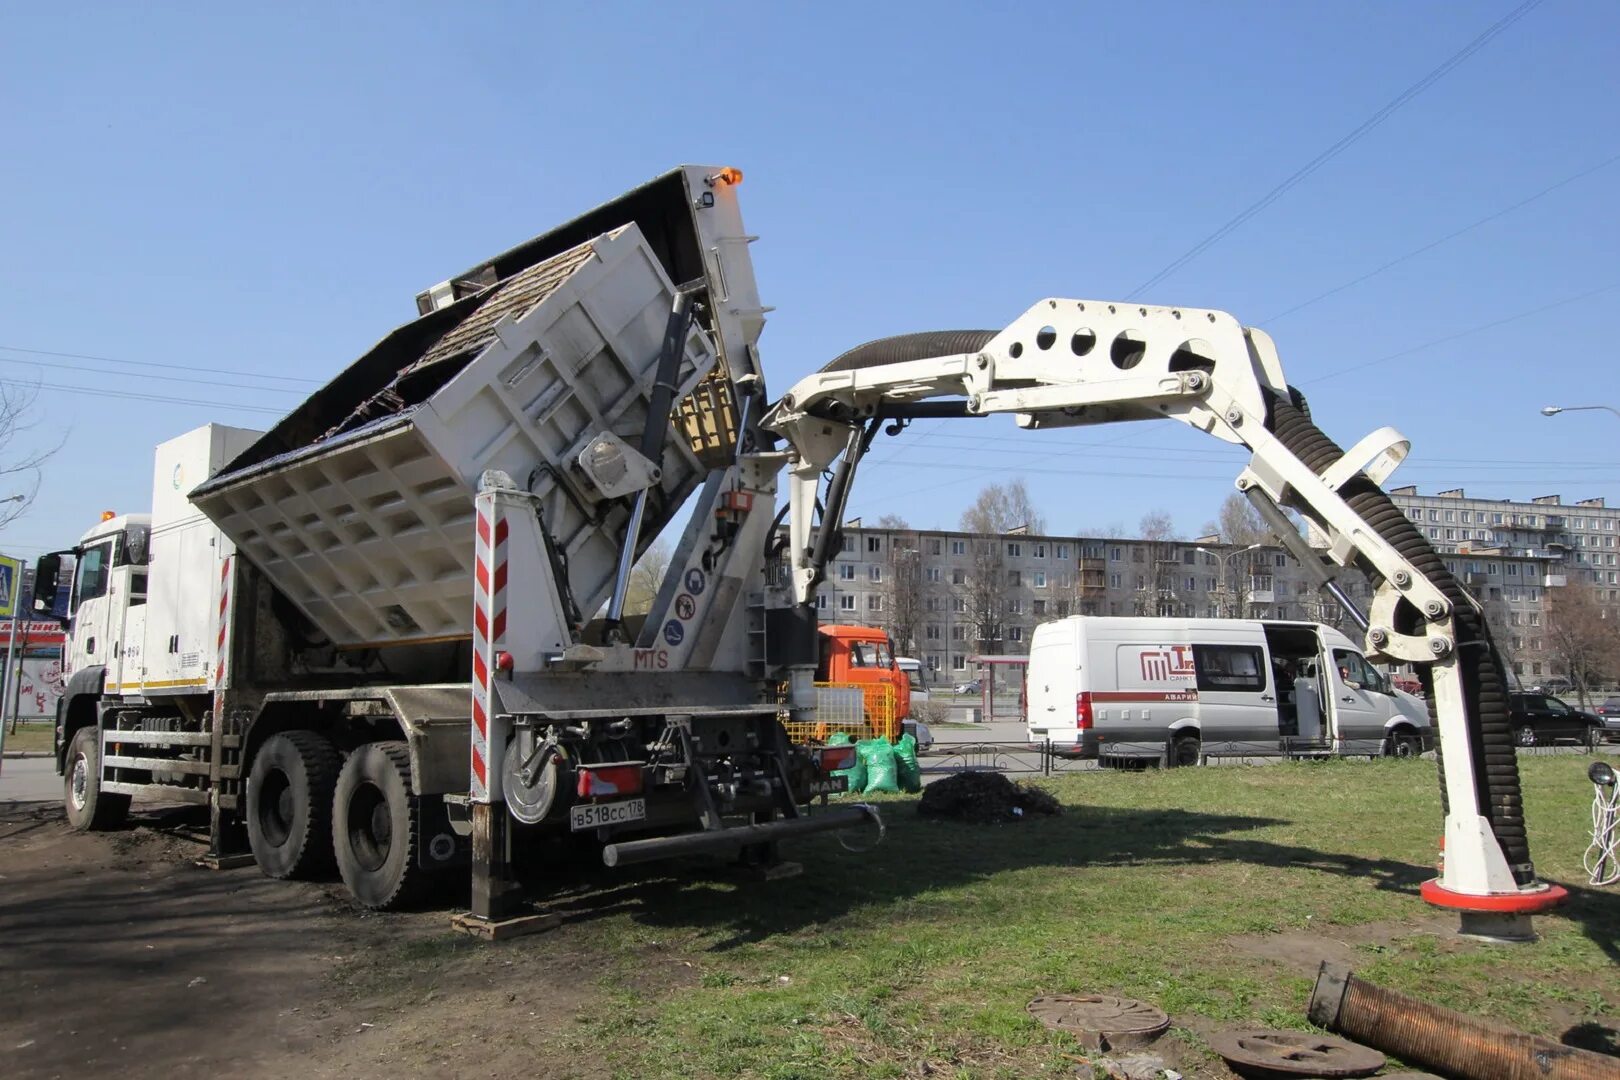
928 947
29 736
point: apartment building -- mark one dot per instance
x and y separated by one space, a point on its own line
941 575
1507 553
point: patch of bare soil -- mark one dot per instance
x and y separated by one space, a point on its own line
1302 951
118 952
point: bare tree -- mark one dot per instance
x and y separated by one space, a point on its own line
1158 529
20 469
1240 523
1001 508
984 590
903 593
646 577
892 521
1583 636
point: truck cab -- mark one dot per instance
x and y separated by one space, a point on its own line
862 655
106 598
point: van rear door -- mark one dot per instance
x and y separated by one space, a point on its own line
1053 683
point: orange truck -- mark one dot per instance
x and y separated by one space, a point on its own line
862 655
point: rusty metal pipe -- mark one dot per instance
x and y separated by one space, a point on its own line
1440 1039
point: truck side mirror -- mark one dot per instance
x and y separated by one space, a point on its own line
47 574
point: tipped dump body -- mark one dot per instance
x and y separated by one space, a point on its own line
359 505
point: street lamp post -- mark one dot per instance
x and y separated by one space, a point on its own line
1554 410
1225 561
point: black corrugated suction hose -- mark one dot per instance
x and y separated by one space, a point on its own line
1496 766
895 350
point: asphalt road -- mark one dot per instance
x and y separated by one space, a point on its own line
30 779
1002 731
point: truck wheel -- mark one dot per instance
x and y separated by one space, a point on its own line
88 807
1183 751
289 804
1525 735
1403 744
374 826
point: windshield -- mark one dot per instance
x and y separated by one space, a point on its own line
870 654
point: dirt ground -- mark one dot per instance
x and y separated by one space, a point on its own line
118 951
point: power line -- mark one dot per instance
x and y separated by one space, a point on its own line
1339 147
93 392
1462 334
187 379
156 364
964 466
1483 471
1487 219
1043 442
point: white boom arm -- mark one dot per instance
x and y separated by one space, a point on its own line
1075 362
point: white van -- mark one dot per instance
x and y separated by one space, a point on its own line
1174 689
917 676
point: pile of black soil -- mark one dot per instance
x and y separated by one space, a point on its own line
984 798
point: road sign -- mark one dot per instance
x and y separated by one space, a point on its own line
10 585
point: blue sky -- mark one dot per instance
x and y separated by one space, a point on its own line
263 195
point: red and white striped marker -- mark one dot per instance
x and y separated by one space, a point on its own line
224 622
489 631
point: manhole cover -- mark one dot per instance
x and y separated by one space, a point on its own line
1101 1021
1294 1053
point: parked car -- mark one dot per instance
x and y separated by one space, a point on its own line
919 731
1541 720
1609 710
966 688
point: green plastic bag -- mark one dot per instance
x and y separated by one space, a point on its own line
856 773
882 773
905 759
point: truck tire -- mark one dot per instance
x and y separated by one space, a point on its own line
1403 743
375 827
1183 751
88 807
289 804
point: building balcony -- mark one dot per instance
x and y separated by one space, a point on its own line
1554 581
1261 596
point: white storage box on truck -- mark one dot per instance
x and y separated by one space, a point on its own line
1135 688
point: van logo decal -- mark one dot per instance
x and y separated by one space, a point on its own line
1168 663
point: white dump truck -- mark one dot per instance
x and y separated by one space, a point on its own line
287 637
391 629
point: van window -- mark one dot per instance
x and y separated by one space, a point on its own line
1354 670
1229 667
870 654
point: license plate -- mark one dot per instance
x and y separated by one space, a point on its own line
833 785
596 815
